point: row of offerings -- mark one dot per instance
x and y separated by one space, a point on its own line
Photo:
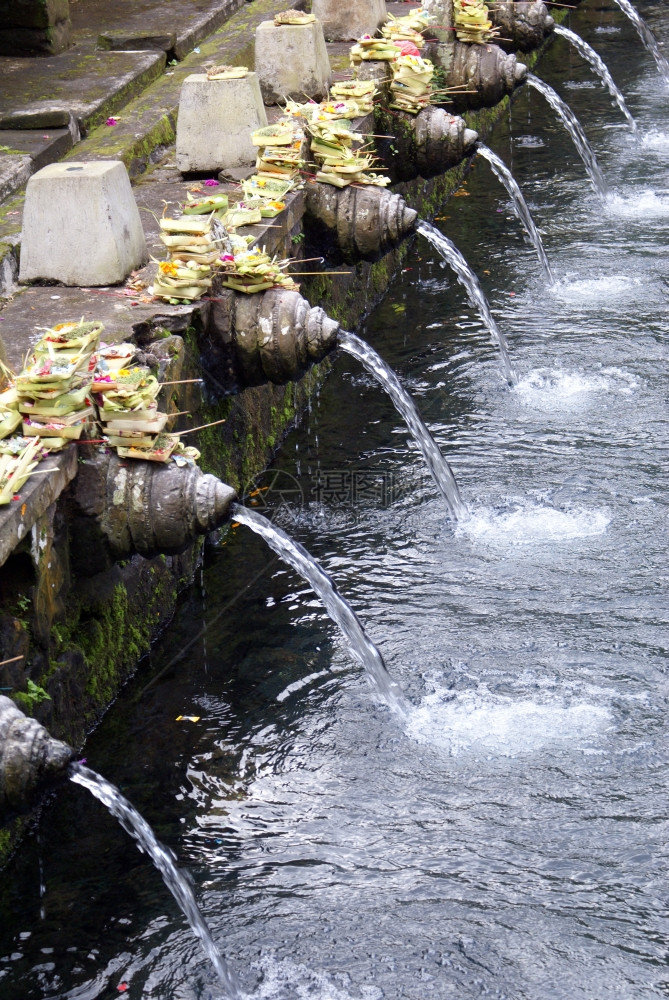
70 384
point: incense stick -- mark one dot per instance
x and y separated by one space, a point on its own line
182 381
14 659
191 430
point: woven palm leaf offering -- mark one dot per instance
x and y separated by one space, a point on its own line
131 420
293 17
194 243
254 271
129 412
280 148
471 20
15 444
359 92
340 164
154 449
10 418
216 204
406 29
369 48
278 134
15 469
227 72
181 281
53 390
190 238
263 186
411 88
73 336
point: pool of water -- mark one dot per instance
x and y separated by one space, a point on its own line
508 838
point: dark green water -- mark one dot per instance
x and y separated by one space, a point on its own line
510 839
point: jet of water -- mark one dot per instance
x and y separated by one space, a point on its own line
468 279
135 824
600 68
339 610
646 36
439 468
573 126
503 174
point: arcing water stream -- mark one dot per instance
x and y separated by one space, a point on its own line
436 463
573 126
504 175
600 68
509 838
176 881
339 610
466 276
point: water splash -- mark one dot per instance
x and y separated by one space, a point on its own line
595 292
470 282
549 389
282 979
135 824
646 36
488 725
573 126
528 524
600 68
503 174
341 612
645 204
439 468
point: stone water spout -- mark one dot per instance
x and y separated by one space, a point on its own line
486 71
426 144
525 25
29 757
359 223
146 508
273 337
278 335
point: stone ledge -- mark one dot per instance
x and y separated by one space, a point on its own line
36 496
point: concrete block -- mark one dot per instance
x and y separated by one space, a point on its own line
216 118
81 225
344 20
292 61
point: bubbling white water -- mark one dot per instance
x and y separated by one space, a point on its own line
286 980
528 524
642 204
595 291
488 725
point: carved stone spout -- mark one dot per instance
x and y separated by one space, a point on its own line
278 335
524 24
425 144
146 507
485 70
363 223
29 757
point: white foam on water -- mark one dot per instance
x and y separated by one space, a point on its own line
529 141
286 980
655 140
594 292
525 525
640 205
490 725
549 387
